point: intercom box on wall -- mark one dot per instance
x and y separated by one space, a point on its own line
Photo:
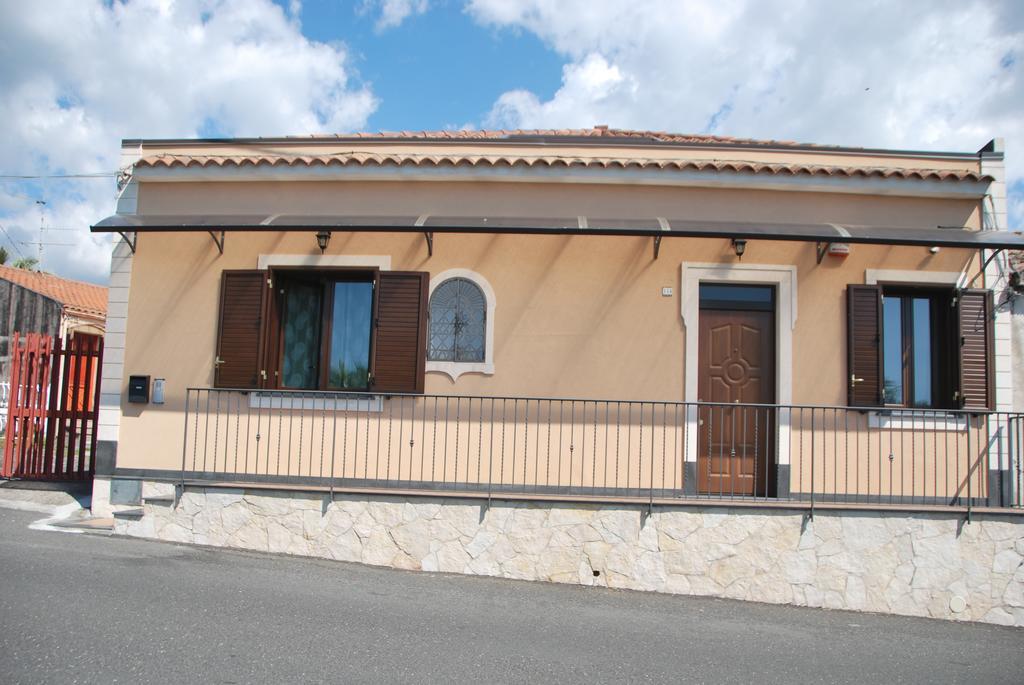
158 390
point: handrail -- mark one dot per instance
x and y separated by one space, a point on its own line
649 449
882 409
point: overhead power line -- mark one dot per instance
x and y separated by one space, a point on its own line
40 177
11 241
35 242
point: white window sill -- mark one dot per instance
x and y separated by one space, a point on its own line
456 369
327 402
897 419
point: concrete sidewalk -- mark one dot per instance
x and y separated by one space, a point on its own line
43 496
67 503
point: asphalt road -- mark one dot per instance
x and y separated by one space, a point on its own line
90 608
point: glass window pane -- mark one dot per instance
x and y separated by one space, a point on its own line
301 356
350 335
892 354
756 294
922 351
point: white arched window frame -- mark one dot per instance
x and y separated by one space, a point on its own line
486 367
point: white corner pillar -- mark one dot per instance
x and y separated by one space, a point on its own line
1009 339
112 373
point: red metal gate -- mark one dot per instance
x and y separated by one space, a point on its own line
53 407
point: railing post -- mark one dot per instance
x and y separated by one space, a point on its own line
1014 456
650 501
184 448
490 452
334 439
968 424
811 514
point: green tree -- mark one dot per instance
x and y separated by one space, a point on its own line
27 263
3 255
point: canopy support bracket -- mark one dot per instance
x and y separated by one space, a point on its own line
984 266
131 242
821 249
218 243
429 235
657 245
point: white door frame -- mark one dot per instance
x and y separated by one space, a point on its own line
784 278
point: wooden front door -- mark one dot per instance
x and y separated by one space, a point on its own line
736 366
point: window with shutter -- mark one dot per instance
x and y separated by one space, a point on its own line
977 372
240 331
919 346
323 329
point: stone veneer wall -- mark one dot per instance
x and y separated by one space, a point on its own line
895 562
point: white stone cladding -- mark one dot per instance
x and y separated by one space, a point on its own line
906 563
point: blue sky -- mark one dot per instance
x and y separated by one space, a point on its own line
77 76
436 70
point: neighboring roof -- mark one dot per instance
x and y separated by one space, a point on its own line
80 298
368 159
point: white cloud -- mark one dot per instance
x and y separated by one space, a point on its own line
930 74
590 87
77 76
394 12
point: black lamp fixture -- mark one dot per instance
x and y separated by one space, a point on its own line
739 246
322 238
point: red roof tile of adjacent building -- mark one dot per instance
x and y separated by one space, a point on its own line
84 299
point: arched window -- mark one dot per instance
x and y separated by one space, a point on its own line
458 322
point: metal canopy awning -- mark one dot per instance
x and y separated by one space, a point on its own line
656 227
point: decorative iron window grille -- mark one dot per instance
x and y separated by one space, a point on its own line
458 322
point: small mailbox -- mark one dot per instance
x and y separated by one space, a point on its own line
138 389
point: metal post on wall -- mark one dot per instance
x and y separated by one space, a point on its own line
180 490
811 514
969 475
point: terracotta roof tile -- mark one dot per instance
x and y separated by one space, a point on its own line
77 297
588 133
367 159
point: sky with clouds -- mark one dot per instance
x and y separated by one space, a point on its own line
77 76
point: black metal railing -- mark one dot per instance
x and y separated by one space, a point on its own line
601 449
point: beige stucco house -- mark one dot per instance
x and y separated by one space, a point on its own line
566 323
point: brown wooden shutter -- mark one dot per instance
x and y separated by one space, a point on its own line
400 334
864 345
240 333
977 369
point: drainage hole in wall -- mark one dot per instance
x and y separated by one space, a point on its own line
597 573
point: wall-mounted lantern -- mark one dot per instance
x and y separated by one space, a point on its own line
739 246
322 238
